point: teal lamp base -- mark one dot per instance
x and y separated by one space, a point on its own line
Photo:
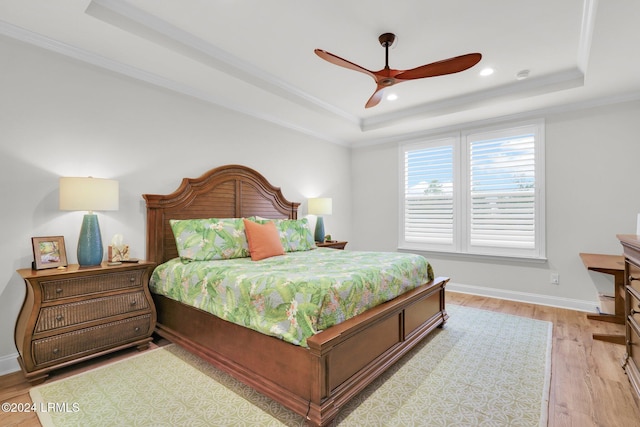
319 234
90 249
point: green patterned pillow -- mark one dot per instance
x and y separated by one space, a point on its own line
210 239
295 234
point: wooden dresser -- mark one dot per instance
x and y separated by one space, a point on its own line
75 314
631 361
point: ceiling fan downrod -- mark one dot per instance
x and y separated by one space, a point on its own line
387 40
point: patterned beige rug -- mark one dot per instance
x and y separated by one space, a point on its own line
493 370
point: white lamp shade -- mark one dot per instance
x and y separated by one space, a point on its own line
88 194
320 206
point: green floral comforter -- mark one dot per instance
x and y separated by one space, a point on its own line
292 296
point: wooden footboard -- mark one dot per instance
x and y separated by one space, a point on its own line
314 382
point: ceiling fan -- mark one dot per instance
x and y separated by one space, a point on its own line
387 77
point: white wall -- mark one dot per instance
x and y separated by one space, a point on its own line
592 194
59 117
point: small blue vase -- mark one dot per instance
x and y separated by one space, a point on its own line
90 249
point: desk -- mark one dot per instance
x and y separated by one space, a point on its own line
614 265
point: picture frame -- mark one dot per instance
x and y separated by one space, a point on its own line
48 252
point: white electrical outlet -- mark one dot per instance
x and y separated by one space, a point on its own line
555 279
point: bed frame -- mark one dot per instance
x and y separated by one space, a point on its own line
339 362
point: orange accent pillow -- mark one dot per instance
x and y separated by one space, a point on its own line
264 240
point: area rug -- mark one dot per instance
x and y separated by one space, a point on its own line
482 368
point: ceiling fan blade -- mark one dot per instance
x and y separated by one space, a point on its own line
376 97
440 68
342 62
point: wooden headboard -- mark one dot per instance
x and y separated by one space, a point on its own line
231 191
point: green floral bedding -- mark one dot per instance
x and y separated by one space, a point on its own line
292 296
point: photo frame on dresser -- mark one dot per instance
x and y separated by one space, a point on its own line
48 252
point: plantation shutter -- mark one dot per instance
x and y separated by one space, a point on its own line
502 190
477 192
428 195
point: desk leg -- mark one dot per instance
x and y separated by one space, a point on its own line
611 318
616 339
617 318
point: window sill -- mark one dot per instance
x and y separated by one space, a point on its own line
474 257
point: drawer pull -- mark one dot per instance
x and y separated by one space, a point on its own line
137 329
134 302
132 279
58 290
55 351
59 317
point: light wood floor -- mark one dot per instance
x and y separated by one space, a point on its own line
588 385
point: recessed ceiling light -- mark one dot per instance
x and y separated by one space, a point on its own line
392 97
486 71
522 74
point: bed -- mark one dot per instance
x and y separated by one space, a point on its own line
314 379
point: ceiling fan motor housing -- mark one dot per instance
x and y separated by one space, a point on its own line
387 39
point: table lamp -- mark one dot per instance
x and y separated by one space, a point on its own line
89 194
320 206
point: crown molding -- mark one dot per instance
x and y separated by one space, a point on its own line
136 21
524 115
562 80
586 33
85 56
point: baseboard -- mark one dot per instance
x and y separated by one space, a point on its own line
568 303
9 364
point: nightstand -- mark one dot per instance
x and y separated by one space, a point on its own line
333 244
75 314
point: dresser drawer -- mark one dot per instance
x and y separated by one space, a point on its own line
69 287
633 345
60 316
89 340
633 279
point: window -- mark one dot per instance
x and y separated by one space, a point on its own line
477 192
